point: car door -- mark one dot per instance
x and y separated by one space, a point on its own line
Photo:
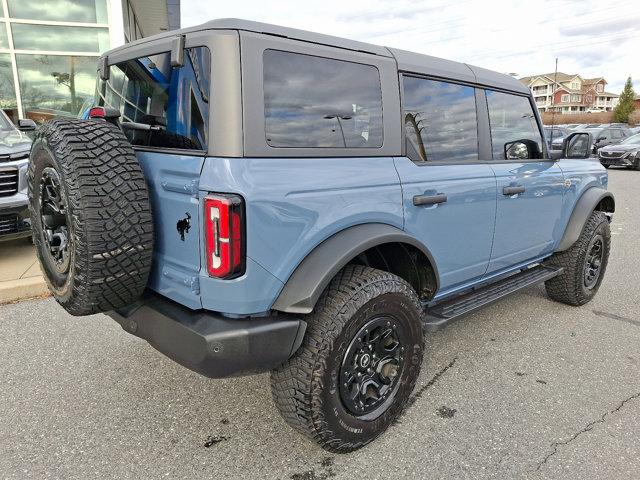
529 187
448 192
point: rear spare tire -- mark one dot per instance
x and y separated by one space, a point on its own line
91 215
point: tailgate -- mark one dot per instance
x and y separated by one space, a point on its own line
173 187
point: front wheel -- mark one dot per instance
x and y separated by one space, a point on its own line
358 364
584 264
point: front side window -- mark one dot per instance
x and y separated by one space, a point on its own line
316 102
440 121
174 102
513 124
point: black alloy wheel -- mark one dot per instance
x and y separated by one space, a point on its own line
55 228
371 367
593 261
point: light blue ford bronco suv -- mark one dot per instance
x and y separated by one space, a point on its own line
247 197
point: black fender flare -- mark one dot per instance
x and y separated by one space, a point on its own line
583 209
313 274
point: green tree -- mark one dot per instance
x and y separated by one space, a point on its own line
625 103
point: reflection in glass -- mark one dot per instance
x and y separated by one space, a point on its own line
7 91
4 42
320 102
87 11
440 120
174 100
52 85
59 38
512 119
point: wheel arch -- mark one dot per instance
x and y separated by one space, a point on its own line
371 244
593 199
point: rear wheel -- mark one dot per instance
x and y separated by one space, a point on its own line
359 361
584 264
91 216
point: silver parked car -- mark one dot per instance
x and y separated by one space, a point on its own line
14 158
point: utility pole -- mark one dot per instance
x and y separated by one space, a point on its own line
553 100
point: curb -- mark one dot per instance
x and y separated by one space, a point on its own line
22 289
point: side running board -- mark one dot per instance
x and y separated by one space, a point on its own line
439 314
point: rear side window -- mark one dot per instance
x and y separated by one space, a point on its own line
174 102
440 121
320 102
512 120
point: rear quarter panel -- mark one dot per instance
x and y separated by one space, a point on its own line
292 205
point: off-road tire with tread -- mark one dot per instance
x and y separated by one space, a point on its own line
305 388
569 287
107 209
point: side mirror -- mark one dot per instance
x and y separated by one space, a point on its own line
577 145
521 150
26 125
599 139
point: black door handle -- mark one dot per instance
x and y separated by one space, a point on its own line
513 190
429 199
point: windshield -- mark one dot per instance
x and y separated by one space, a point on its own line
633 140
5 123
557 132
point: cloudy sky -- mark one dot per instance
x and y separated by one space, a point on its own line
592 38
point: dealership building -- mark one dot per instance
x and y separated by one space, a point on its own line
49 48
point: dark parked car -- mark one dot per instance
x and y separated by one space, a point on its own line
624 154
14 158
554 136
604 136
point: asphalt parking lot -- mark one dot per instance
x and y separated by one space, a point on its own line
524 388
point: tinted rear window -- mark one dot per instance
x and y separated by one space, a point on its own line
314 101
148 90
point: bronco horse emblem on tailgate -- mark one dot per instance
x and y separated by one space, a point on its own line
184 225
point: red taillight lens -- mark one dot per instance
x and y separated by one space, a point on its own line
224 235
97 112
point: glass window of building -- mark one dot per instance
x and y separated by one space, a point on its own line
49 49
84 11
4 42
59 38
7 92
53 85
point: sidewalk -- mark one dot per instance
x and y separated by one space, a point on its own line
20 276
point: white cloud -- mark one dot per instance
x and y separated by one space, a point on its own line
589 37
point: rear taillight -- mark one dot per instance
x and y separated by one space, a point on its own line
97 112
224 235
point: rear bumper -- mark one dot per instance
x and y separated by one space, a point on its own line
210 344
